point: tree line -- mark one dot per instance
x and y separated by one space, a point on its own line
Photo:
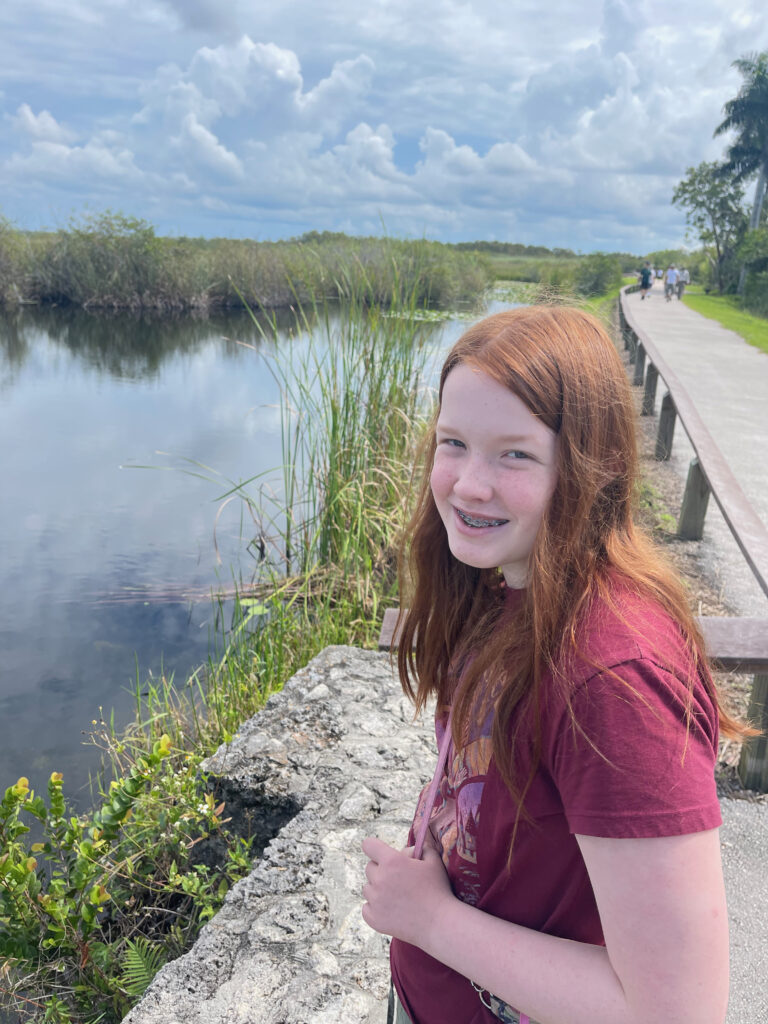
734 235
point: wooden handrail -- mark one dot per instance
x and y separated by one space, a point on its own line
733 644
748 530
740 644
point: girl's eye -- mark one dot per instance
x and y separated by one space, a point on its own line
451 442
516 454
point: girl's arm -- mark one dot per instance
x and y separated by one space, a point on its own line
662 908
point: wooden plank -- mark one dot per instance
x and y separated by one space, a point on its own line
649 395
753 766
667 419
736 644
695 501
387 637
733 644
744 523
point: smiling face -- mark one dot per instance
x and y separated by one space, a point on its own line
494 472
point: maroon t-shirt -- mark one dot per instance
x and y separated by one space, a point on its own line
651 777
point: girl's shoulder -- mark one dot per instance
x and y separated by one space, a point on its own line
622 625
631 690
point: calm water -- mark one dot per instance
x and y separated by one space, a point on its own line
106 566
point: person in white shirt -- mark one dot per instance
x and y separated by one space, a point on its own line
670 281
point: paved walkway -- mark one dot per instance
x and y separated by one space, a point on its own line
727 380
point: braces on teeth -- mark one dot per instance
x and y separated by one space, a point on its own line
474 521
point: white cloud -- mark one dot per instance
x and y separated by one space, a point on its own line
440 151
75 165
558 123
259 82
201 146
168 99
622 22
42 126
335 97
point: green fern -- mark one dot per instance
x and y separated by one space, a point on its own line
142 960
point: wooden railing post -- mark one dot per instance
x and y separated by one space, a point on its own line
667 418
695 501
639 365
753 766
631 341
649 395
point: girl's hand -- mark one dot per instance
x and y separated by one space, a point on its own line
402 894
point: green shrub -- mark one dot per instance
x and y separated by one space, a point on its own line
105 261
557 278
597 274
14 261
756 293
71 903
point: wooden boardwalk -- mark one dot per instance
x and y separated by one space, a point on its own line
727 381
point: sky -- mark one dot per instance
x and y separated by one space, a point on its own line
558 123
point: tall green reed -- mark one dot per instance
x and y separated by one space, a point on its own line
353 398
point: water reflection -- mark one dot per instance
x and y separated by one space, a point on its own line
102 562
84 398
130 347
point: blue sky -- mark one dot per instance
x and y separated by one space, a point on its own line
562 124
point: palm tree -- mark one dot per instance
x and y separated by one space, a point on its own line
748 114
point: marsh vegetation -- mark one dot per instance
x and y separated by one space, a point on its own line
94 903
108 261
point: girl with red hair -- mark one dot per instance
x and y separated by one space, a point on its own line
571 873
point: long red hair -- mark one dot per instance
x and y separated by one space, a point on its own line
563 365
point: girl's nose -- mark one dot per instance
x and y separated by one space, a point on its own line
473 482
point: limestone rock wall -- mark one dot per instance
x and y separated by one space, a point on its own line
334 757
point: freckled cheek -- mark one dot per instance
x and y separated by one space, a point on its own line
440 481
526 495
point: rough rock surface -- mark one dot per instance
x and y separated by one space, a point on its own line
332 758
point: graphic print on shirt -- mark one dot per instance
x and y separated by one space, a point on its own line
455 818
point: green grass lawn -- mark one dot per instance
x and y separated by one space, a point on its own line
726 310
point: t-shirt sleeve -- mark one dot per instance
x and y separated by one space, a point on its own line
636 765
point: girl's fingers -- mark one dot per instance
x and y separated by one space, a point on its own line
375 849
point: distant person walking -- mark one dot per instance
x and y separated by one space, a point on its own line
682 281
670 281
646 279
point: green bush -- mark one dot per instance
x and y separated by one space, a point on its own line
72 903
597 274
557 278
105 261
14 260
756 293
